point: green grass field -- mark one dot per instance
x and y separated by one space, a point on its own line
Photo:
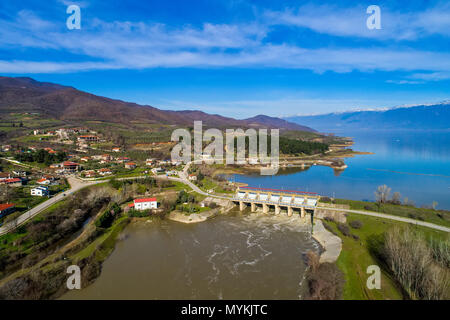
440 217
355 257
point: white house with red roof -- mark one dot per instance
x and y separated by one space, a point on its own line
144 204
43 181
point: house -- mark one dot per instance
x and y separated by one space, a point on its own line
13 182
122 159
97 157
144 204
84 159
43 181
115 149
104 171
158 170
4 176
106 157
6 208
70 166
88 138
192 177
149 162
164 162
130 165
40 191
20 173
6 148
89 173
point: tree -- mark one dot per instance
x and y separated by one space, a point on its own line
396 198
382 193
434 204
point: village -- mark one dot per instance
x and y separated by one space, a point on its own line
30 174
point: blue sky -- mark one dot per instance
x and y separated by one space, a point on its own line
237 58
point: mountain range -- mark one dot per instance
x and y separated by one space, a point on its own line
434 116
23 94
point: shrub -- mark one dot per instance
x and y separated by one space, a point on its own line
355 236
329 228
212 205
106 219
344 229
325 199
326 282
356 224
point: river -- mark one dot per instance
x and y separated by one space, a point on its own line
233 256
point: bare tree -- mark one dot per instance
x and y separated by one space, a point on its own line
396 198
382 193
434 204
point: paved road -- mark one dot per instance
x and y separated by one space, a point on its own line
391 217
75 185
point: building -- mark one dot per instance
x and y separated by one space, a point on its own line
144 204
104 171
43 181
40 191
13 182
149 162
6 208
116 149
158 170
192 177
70 166
122 159
84 159
130 165
4 176
89 173
88 138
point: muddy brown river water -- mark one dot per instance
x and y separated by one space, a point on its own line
227 257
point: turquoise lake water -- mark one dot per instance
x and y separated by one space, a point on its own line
416 164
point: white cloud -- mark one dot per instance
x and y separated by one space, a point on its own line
139 45
351 22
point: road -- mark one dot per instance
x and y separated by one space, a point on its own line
391 217
77 184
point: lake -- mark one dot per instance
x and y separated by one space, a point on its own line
416 164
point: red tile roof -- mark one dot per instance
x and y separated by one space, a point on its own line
69 163
12 180
144 200
4 206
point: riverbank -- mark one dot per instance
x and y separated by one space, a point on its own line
331 244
